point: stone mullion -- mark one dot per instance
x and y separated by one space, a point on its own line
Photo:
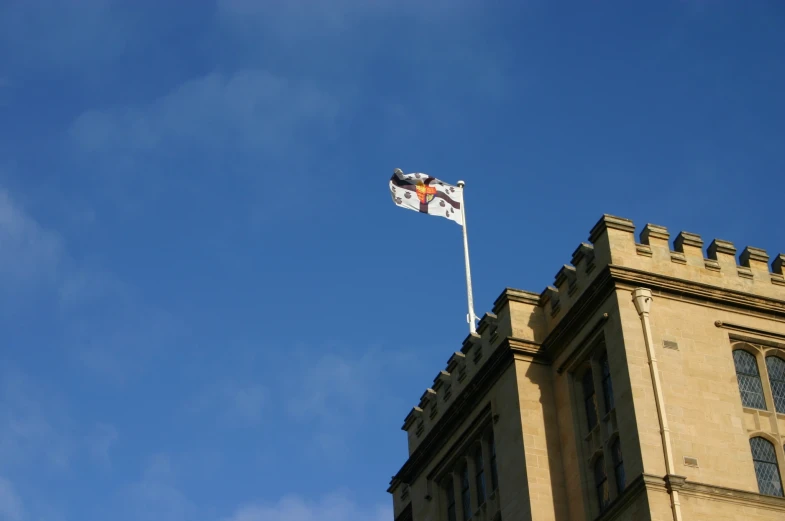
472 478
486 462
456 484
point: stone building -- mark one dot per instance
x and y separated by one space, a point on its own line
646 383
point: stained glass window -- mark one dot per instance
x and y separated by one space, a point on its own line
776 367
766 469
466 494
618 466
450 489
749 380
607 385
589 399
479 476
494 475
601 482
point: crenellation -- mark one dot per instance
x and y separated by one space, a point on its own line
455 361
755 258
778 264
474 339
443 379
414 414
613 237
690 245
427 397
566 275
583 258
724 252
655 235
550 299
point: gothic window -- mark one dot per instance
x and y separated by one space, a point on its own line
466 494
618 466
607 385
494 474
749 379
589 399
479 477
776 368
766 469
601 483
450 489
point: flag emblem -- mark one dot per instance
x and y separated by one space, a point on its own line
425 193
428 190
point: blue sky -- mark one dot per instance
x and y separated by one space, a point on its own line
211 309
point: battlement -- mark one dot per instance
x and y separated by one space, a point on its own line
528 318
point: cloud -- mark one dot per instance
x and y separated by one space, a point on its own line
338 389
34 427
294 508
247 109
100 442
30 253
10 503
156 496
235 404
106 325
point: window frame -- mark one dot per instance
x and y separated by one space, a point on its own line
602 488
466 492
608 399
452 505
774 462
494 469
779 405
758 377
617 460
589 401
479 475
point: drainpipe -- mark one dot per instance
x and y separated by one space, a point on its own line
641 297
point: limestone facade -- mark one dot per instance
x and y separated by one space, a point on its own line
647 383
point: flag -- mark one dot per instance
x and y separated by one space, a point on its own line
425 194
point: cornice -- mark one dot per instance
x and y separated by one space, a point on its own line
697 290
526 350
739 497
750 331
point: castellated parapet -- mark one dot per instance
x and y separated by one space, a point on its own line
528 321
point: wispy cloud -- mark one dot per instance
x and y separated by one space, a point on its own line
294 508
249 108
10 504
156 496
30 253
107 327
100 443
35 430
334 392
234 404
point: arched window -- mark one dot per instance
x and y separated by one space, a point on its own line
618 466
749 380
466 494
450 489
607 385
776 367
601 482
479 476
589 399
766 468
494 475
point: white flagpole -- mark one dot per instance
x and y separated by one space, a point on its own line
471 317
